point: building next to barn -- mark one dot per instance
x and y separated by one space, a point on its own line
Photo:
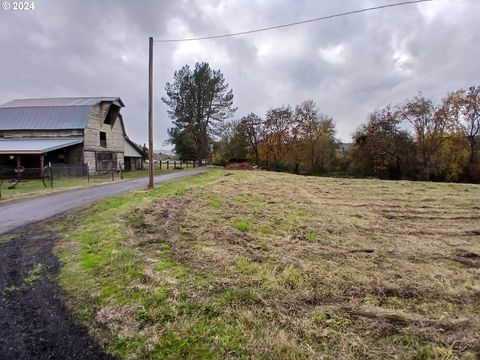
87 131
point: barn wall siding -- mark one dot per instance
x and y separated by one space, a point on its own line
95 124
115 136
89 158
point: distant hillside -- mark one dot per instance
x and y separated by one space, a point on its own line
165 151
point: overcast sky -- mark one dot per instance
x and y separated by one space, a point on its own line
349 66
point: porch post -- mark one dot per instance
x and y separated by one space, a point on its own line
42 163
18 161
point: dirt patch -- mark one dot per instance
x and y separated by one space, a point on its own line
467 258
239 166
119 317
34 322
467 254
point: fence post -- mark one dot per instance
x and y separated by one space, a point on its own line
160 164
88 173
186 164
168 164
193 162
1 183
121 173
174 164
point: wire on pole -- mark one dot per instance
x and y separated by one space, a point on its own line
293 23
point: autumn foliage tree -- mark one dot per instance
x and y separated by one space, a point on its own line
429 124
465 105
381 147
299 140
316 135
417 140
430 141
276 133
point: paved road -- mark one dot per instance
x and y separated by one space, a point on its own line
24 212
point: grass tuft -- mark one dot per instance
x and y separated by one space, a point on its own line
34 275
241 225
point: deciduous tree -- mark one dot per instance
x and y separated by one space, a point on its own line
316 134
466 105
275 142
251 126
429 124
380 147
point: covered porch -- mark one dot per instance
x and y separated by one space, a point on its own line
39 152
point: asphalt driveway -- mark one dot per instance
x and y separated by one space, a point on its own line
23 212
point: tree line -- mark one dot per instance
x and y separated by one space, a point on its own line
299 140
421 140
417 139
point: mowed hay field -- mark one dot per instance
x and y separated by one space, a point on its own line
252 264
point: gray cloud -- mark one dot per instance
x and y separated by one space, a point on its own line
349 66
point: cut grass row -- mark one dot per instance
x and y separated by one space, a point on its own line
269 265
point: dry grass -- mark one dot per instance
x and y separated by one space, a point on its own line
270 265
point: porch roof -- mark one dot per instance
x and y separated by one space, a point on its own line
36 145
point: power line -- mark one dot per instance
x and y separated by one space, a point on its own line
293 23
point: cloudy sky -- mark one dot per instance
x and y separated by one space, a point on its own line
349 66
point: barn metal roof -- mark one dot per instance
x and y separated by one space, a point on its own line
36 145
50 113
73 101
44 118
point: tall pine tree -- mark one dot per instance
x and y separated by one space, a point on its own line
199 102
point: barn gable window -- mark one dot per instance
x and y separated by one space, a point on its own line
112 114
103 139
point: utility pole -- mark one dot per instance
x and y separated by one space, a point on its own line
150 113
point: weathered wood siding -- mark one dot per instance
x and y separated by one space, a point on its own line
130 151
91 141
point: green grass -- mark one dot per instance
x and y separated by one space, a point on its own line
36 187
270 265
34 275
6 237
242 225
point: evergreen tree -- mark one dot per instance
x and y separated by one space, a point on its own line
199 101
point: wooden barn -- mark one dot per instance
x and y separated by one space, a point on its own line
87 131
